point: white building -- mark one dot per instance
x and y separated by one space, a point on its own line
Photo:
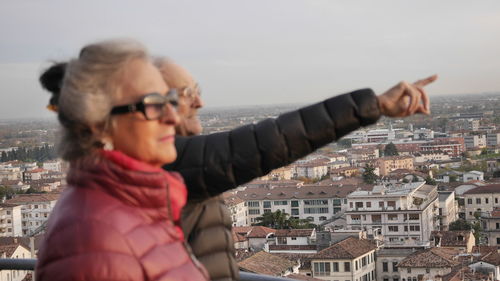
482 199
237 209
54 165
473 176
13 251
405 214
316 203
475 141
492 139
448 209
301 241
35 209
387 261
351 259
10 220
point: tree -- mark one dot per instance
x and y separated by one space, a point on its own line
460 224
391 150
430 181
369 175
276 220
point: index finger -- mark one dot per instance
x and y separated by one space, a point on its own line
425 100
426 81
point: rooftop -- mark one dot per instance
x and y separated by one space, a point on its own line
266 263
431 258
491 188
348 248
293 232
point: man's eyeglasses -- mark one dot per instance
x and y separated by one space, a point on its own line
190 92
151 105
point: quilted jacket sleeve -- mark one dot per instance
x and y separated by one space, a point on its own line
73 256
212 164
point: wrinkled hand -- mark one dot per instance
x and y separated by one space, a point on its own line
406 99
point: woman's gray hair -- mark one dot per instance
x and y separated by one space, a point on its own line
89 91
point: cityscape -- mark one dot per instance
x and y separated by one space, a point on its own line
402 200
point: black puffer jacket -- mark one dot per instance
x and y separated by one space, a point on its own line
212 164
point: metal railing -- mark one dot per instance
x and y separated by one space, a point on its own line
29 264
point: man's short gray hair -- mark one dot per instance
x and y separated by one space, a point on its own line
89 90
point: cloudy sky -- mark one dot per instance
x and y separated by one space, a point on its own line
262 51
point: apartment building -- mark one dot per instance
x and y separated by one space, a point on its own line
351 259
448 209
237 209
300 241
491 227
482 199
403 213
391 163
55 165
452 146
475 141
35 209
313 170
387 260
316 203
10 220
460 240
493 139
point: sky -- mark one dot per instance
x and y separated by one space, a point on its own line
258 52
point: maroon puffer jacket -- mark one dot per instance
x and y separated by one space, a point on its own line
115 223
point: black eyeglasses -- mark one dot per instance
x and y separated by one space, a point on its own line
151 105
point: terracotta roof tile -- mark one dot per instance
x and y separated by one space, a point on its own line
431 258
266 263
293 232
348 248
491 188
260 232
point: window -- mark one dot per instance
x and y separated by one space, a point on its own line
386 279
478 200
356 265
321 268
293 238
8 212
486 200
469 201
359 204
408 270
391 203
414 217
315 202
498 240
393 228
414 227
337 202
254 212
427 270
385 267
253 204
295 203
335 267
317 210
267 204
350 204
363 261
295 212
381 204
395 279
392 217
347 266
497 225
322 218
496 200
394 266
368 204
406 228
282 203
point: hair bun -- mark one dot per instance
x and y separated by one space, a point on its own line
51 80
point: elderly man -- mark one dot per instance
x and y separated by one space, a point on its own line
205 220
218 162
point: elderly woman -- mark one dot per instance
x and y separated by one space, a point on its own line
119 217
